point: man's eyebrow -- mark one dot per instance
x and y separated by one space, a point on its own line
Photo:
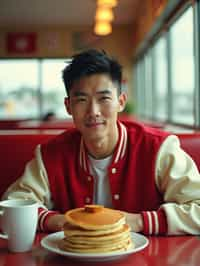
78 93
104 92
100 92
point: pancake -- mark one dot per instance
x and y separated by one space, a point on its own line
95 217
71 230
125 230
95 229
84 243
113 248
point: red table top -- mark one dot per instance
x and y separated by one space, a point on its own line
161 251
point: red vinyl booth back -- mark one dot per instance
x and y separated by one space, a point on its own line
18 148
15 151
191 144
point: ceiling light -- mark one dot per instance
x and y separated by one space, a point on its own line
107 3
102 28
104 14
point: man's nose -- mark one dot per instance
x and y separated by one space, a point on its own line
93 108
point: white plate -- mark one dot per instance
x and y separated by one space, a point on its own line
51 241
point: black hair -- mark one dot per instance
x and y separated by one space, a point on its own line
91 62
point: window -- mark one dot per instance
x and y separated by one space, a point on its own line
29 88
182 68
140 104
160 79
53 91
148 85
18 88
166 73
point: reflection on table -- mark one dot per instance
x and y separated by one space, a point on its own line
179 250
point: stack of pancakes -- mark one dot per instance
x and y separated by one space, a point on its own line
95 229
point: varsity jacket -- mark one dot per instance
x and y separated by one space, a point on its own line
143 174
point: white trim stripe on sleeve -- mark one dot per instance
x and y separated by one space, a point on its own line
42 218
156 222
150 223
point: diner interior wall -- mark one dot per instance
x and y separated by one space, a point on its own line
65 41
147 15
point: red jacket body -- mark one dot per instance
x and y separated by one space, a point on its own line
131 173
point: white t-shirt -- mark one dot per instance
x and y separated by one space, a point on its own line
98 169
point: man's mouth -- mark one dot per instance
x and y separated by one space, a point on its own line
93 124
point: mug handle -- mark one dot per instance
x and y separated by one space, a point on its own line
4 236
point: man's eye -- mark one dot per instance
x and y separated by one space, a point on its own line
105 98
81 100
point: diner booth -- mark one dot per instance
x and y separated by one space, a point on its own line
17 148
37 40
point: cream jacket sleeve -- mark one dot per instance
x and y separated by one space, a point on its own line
33 183
178 179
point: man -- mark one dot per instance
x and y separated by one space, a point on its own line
126 166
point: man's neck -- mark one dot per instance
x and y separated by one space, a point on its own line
102 148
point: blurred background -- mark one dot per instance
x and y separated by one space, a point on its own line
156 41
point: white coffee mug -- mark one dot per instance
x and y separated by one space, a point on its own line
19 223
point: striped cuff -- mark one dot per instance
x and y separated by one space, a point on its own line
43 216
155 222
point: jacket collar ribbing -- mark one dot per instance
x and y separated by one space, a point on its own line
118 154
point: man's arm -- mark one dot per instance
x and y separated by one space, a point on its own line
34 184
178 179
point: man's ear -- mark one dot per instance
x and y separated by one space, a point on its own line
67 105
122 101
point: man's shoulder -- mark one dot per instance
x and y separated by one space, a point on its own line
139 130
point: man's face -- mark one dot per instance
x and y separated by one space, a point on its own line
94 104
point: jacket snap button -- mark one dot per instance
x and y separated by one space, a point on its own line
89 178
116 196
114 170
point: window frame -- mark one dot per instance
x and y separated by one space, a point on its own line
151 42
